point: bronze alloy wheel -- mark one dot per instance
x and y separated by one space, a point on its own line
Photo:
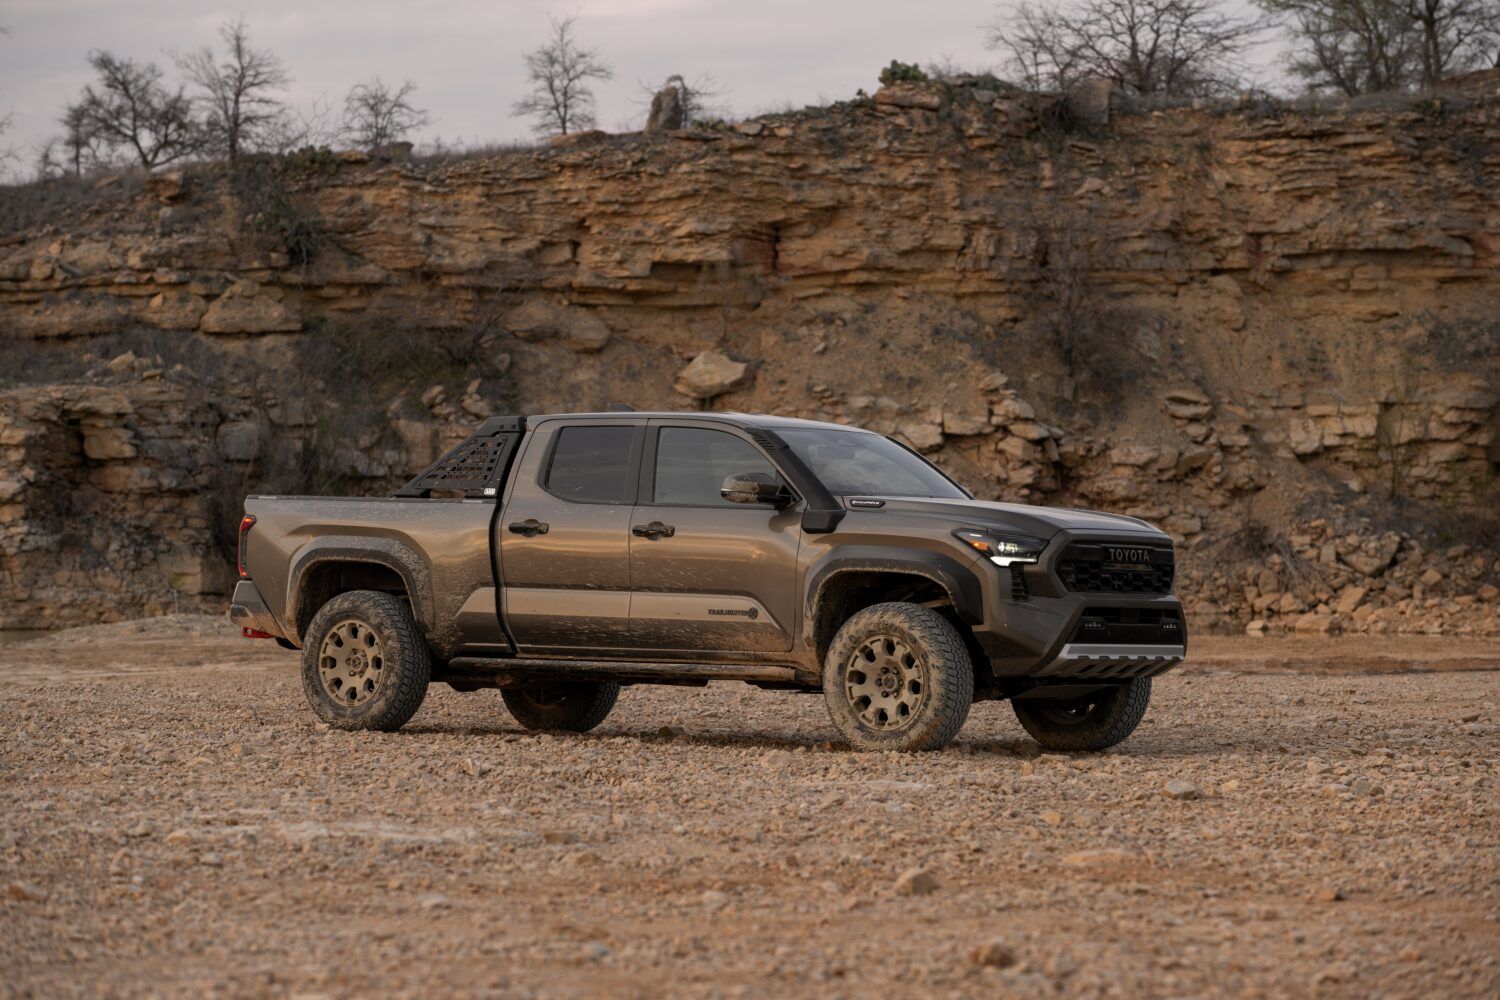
897 676
886 682
365 664
351 663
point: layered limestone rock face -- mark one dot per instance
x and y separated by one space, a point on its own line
107 503
1272 333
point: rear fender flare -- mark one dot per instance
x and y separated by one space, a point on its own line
388 552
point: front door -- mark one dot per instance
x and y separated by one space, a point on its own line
564 537
707 574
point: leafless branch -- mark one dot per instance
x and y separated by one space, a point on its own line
560 71
241 111
375 114
1173 48
131 108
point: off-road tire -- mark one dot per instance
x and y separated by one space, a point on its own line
400 678
1115 715
571 706
883 636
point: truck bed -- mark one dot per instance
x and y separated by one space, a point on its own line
307 538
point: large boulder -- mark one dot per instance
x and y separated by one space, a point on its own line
108 443
909 96
585 333
540 320
712 374
175 310
1372 556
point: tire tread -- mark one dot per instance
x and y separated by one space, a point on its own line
945 649
411 670
573 717
1122 719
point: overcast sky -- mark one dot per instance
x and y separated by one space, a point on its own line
465 55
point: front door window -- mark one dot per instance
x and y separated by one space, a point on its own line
692 463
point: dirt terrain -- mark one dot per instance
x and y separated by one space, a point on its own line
1294 817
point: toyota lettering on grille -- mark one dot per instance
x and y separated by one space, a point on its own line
1129 555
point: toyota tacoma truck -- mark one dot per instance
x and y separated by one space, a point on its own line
559 558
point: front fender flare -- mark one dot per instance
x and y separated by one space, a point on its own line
958 580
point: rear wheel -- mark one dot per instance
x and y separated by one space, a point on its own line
1092 722
573 706
365 664
898 677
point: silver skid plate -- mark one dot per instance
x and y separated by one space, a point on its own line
1086 659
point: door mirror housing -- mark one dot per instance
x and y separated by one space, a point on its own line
755 487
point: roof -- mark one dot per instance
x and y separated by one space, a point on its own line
718 416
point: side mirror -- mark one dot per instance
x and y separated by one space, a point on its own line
755 487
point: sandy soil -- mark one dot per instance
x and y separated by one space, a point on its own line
176 823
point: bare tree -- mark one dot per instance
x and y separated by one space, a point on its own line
5 119
1040 48
560 72
131 108
374 114
1175 48
78 143
242 113
1348 46
1357 47
7 153
1454 35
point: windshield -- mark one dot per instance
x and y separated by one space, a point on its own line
855 463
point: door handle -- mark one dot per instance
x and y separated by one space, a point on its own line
530 526
654 530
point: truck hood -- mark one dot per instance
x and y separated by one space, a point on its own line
1040 522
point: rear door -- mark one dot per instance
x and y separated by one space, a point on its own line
708 574
564 536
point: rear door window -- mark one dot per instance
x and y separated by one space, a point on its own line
591 464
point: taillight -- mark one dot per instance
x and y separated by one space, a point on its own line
246 523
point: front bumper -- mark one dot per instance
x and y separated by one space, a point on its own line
1034 630
248 610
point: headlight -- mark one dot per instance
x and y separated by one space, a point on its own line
1003 550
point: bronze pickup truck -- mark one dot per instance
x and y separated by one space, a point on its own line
561 557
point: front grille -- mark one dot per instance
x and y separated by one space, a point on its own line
1129 626
1109 568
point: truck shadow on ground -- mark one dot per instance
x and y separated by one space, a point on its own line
1184 745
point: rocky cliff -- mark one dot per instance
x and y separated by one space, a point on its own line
1275 332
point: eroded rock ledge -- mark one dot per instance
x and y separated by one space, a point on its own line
1273 333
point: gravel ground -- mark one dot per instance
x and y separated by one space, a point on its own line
176 823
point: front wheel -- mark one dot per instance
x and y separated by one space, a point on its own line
898 677
1094 721
572 706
